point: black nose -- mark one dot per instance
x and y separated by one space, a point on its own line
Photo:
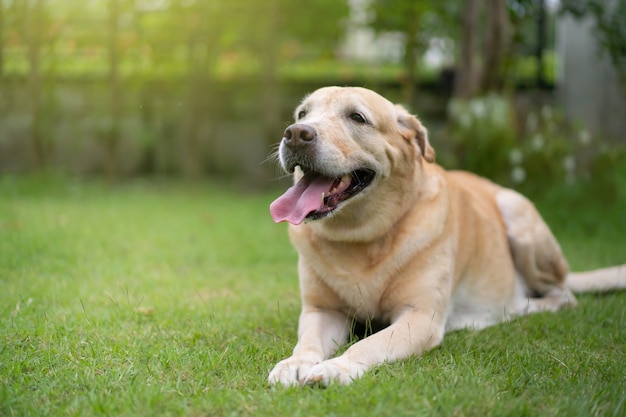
299 134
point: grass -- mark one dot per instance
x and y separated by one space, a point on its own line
175 299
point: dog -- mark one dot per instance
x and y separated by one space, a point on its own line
384 234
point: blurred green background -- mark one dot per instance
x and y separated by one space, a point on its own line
136 278
194 89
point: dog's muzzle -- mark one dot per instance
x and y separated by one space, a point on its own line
319 192
298 147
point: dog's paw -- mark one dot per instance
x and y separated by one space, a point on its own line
337 370
290 371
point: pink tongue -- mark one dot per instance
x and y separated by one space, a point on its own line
301 199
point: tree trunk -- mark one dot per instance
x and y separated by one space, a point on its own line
1 39
270 89
190 149
495 43
541 42
466 81
34 28
112 133
410 58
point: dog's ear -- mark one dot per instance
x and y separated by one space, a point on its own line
413 129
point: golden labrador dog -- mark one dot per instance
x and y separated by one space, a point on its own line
384 234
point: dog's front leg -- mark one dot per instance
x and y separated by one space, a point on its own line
414 332
320 332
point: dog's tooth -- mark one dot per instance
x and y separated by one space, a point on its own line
322 199
343 183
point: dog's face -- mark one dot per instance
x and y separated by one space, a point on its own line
347 147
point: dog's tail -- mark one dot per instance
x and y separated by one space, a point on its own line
599 280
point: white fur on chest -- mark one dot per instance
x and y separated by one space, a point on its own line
361 292
362 285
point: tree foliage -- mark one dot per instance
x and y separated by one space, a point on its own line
154 35
176 54
178 44
418 22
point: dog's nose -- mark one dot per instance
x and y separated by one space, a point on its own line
299 134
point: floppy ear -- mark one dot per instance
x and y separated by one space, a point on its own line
413 129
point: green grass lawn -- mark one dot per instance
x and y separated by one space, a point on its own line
173 299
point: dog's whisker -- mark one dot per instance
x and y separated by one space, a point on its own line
271 159
281 177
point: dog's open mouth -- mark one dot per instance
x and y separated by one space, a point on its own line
316 195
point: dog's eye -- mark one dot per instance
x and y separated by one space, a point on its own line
301 114
358 117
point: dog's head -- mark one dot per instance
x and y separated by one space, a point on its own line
345 144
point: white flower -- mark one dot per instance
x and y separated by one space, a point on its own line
569 163
465 120
518 175
537 142
478 108
584 137
516 156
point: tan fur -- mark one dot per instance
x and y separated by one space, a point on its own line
423 249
